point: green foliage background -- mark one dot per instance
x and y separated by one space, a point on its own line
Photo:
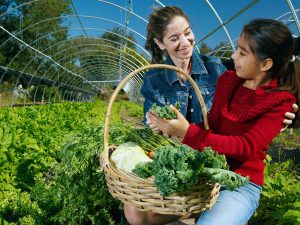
50 173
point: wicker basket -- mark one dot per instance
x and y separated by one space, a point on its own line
142 193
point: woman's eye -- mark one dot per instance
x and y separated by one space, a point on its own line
188 33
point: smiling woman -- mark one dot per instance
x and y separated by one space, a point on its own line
170 40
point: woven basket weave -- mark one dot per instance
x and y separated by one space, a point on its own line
142 193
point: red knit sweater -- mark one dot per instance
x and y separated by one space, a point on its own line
242 123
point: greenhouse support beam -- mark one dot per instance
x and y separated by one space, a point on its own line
43 54
228 21
222 23
294 15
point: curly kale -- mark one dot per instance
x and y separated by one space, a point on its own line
228 178
164 111
213 159
144 169
177 168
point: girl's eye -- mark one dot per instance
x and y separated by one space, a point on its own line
242 54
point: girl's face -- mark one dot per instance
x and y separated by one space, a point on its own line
246 64
178 39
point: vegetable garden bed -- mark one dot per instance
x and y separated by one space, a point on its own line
49 169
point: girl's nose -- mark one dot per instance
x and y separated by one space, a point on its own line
233 55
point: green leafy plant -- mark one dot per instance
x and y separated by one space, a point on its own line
280 199
164 111
177 168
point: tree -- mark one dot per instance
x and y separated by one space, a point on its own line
119 38
204 48
40 36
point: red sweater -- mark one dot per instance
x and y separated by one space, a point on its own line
242 123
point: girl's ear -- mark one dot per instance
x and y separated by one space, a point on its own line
159 44
266 65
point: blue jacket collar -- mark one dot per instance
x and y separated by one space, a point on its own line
198 68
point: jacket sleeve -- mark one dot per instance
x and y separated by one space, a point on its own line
148 98
245 145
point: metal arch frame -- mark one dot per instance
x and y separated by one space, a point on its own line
280 18
69 16
41 53
65 41
105 60
75 53
108 46
111 46
98 38
221 23
116 5
124 45
293 12
288 21
31 46
93 55
296 20
97 29
107 2
48 33
228 21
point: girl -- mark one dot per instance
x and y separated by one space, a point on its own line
246 114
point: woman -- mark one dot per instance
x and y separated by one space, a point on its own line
246 115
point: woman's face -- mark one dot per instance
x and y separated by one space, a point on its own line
178 39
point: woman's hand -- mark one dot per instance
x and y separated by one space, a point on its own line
175 127
289 117
152 126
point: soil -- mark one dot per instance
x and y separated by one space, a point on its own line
138 122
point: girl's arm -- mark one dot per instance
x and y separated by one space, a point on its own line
240 147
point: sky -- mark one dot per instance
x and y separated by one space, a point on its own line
97 16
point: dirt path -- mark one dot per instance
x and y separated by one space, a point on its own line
138 122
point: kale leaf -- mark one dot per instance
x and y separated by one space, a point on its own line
177 168
164 111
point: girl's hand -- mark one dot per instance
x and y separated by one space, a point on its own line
175 127
289 117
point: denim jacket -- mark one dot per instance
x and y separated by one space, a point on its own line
162 86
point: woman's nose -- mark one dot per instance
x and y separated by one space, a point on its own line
184 40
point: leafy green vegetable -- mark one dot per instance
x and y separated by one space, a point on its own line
228 178
127 155
146 138
177 168
164 111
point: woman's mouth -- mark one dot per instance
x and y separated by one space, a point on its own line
184 51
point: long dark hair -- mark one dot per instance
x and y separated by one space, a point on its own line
272 39
158 21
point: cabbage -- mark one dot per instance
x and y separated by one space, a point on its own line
127 155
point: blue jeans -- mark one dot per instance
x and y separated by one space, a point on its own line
232 207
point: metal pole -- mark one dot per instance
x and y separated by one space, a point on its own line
294 14
222 23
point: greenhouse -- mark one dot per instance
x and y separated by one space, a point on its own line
74 76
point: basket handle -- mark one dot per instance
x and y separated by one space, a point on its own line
131 75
